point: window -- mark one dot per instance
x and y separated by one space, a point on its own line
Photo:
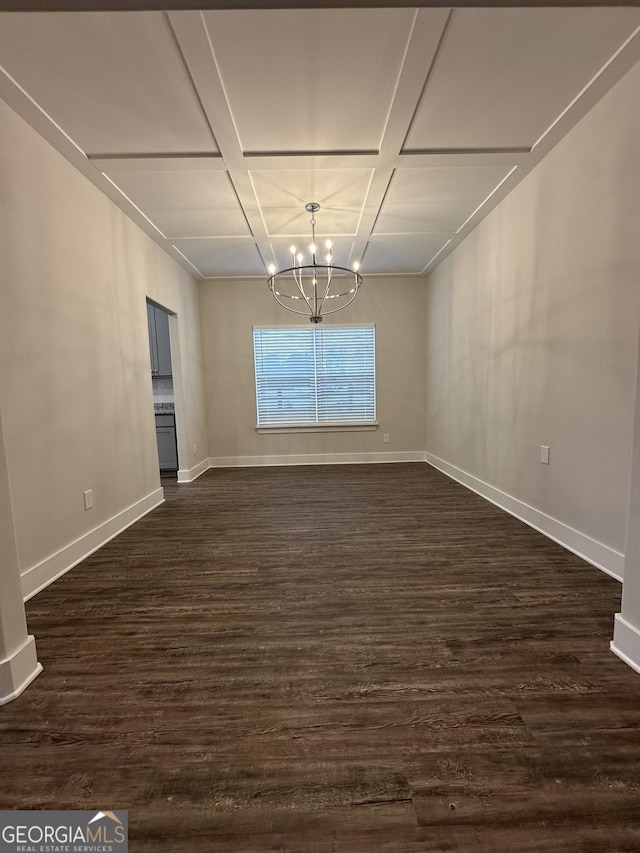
315 376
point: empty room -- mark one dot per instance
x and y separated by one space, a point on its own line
319 427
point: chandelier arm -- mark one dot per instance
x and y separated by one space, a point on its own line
359 281
329 268
343 293
276 296
295 274
346 305
297 277
316 308
333 267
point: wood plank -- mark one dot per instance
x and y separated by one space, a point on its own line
328 659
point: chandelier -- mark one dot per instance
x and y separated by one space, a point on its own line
306 288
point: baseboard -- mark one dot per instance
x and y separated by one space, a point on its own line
188 475
315 459
601 556
626 642
18 671
41 575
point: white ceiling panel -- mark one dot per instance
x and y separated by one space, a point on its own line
436 199
504 75
312 80
113 82
212 129
282 196
222 258
401 254
185 203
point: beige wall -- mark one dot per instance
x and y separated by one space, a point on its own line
229 311
533 330
75 385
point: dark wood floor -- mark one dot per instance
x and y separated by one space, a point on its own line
350 658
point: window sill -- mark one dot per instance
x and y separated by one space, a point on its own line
286 428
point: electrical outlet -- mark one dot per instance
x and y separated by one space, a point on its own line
195 449
88 499
544 454
385 438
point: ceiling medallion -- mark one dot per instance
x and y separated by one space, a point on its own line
306 288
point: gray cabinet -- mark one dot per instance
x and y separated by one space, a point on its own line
166 438
159 343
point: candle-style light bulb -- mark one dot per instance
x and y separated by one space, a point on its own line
271 269
356 266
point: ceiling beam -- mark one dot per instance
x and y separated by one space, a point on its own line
420 56
193 5
191 34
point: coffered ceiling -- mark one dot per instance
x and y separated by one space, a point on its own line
213 128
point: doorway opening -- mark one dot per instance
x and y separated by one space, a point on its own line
162 378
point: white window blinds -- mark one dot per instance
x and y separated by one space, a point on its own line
314 375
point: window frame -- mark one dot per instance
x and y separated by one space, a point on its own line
316 426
